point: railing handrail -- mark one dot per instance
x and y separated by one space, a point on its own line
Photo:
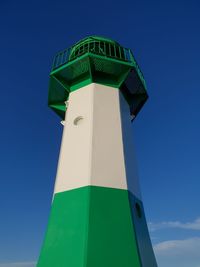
100 48
70 54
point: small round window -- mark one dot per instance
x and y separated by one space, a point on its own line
138 210
78 120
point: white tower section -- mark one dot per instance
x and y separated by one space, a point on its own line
93 145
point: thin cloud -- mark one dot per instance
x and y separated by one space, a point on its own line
190 244
195 225
178 253
19 264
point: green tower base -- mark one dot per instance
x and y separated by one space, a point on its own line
90 227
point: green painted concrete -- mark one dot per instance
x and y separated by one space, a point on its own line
90 227
142 234
65 240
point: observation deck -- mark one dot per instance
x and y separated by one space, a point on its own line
99 60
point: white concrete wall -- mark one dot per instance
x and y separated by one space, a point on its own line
92 152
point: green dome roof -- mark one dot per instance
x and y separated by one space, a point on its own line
94 38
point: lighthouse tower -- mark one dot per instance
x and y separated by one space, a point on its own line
97 217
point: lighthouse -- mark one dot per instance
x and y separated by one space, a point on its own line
97 217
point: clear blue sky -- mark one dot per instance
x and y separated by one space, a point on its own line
165 38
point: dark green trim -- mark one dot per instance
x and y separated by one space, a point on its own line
81 84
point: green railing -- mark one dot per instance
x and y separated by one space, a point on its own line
104 49
101 48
